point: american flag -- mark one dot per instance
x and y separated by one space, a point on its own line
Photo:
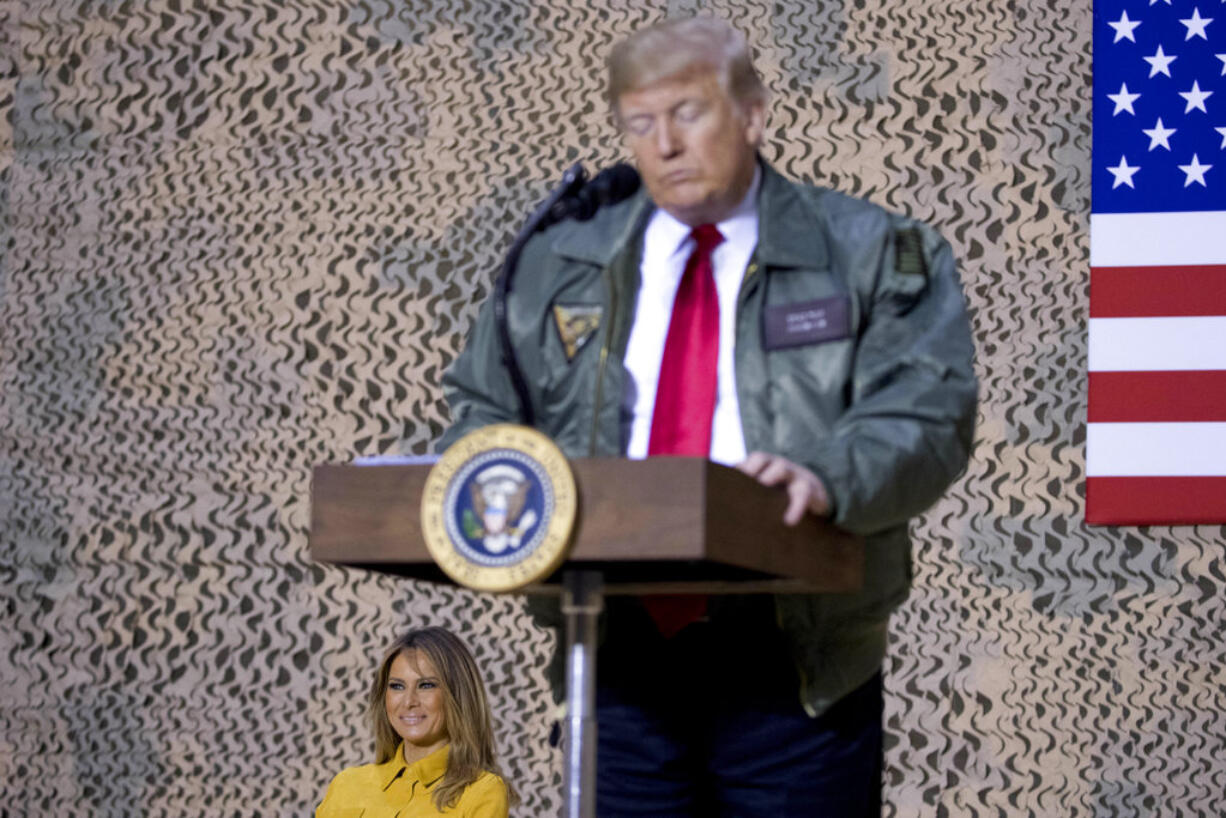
1156 437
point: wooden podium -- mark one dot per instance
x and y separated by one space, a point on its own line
662 525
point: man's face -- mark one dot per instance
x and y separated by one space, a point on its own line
694 146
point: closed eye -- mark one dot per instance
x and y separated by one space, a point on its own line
639 125
689 111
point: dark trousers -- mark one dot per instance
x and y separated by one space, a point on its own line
709 723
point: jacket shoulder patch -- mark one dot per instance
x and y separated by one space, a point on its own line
909 253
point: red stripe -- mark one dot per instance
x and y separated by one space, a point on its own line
1130 292
1155 500
1157 397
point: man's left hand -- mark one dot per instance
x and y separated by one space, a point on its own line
805 489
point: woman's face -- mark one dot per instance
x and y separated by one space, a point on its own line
414 704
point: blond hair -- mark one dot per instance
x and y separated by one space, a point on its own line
470 730
680 46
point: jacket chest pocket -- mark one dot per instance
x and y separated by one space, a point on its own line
805 338
568 348
809 388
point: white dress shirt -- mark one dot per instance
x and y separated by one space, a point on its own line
666 248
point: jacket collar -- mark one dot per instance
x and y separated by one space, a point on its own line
600 240
786 237
428 770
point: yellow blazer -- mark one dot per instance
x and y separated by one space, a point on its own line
395 789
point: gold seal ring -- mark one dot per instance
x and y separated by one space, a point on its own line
498 508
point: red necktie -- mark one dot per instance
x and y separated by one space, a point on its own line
685 395
685 390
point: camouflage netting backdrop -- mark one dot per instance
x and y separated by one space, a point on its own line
242 237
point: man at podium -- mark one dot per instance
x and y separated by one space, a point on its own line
814 340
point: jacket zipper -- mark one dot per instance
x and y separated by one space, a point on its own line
607 275
741 300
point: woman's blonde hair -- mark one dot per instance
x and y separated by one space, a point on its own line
470 729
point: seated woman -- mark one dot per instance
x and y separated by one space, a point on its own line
434 739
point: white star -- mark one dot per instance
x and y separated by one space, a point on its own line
1123 27
1160 63
1168 2
1195 172
1159 135
1195 25
1123 100
1222 57
1123 173
1222 131
1196 98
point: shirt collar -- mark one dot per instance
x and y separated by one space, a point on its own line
427 770
741 223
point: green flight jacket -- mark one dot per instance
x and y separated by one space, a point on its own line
884 416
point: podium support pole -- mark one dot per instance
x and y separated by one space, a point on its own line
582 600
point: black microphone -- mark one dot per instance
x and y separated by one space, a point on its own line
581 202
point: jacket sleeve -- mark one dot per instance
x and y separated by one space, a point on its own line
908 430
477 385
486 797
339 795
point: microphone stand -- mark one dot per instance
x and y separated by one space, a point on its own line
582 598
572 182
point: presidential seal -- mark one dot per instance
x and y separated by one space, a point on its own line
499 507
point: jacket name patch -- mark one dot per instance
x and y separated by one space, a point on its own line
576 323
806 322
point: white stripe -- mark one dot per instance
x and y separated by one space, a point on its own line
1156 239
1150 344
1156 449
